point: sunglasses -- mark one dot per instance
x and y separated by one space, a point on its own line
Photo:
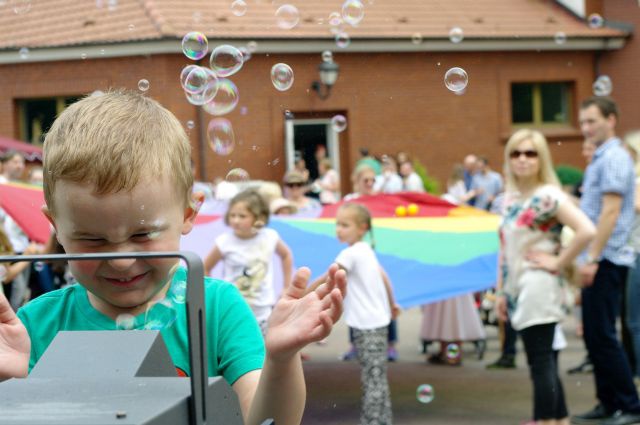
294 184
528 154
368 180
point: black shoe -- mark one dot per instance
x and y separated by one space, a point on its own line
593 416
504 362
585 367
622 418
481 347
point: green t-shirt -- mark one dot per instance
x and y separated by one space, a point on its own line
234 340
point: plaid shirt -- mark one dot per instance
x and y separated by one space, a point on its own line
611 171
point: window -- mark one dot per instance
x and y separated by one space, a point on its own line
540 103
37 115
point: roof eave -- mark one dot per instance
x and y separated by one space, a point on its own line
298 46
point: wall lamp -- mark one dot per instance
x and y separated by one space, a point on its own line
328 76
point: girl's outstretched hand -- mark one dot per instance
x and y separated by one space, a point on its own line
298 319
15 345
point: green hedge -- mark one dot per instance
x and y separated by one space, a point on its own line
569 175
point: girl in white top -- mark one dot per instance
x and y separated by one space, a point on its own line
530 282
247 254
368 308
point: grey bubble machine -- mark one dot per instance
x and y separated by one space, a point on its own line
122 377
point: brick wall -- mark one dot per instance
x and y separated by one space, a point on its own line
394 102
622 66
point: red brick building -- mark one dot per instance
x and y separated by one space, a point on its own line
390 84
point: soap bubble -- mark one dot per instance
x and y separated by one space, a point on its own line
195 45
125 322
425 393
191 125
237 175
342 40
221 137
225 100
143 85
456 35
595 21
20 6
339 123
161 315
453 351
287 16
352 12
252 46
602 86
456 79
239 7
244 110
335 20
83 56
24 53
226 60
416 38
327 56
131 27
112 5
178 292
560 37
282 76
194 78
246 54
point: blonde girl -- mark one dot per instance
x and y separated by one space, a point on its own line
530 282
247 253
368 308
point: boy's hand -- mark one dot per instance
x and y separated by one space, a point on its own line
300 319
15 345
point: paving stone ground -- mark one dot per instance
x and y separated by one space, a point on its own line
468 394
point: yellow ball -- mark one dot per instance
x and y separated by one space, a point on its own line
412 209
401 211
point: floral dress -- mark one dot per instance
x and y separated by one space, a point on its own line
535 296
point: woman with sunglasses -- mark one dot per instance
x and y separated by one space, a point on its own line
295 186
530 283
363 178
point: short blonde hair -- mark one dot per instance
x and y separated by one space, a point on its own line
546 174
112 141
362 168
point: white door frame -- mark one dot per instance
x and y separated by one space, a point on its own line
333 148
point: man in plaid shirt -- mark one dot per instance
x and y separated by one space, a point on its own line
607 199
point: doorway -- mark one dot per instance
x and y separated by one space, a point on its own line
305 137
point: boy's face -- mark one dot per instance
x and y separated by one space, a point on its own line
149 218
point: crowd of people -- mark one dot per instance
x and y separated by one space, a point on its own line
551 241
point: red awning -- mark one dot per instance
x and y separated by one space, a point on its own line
31 152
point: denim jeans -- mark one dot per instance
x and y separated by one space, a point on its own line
633 312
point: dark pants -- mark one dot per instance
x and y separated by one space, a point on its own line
600 307
548 395
510 338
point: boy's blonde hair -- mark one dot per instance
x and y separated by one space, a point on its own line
546 174
114 140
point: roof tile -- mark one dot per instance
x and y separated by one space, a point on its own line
70 22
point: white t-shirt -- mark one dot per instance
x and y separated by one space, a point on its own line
366 305
248 265
413 183
388 183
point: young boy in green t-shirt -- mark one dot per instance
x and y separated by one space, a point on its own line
117 178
